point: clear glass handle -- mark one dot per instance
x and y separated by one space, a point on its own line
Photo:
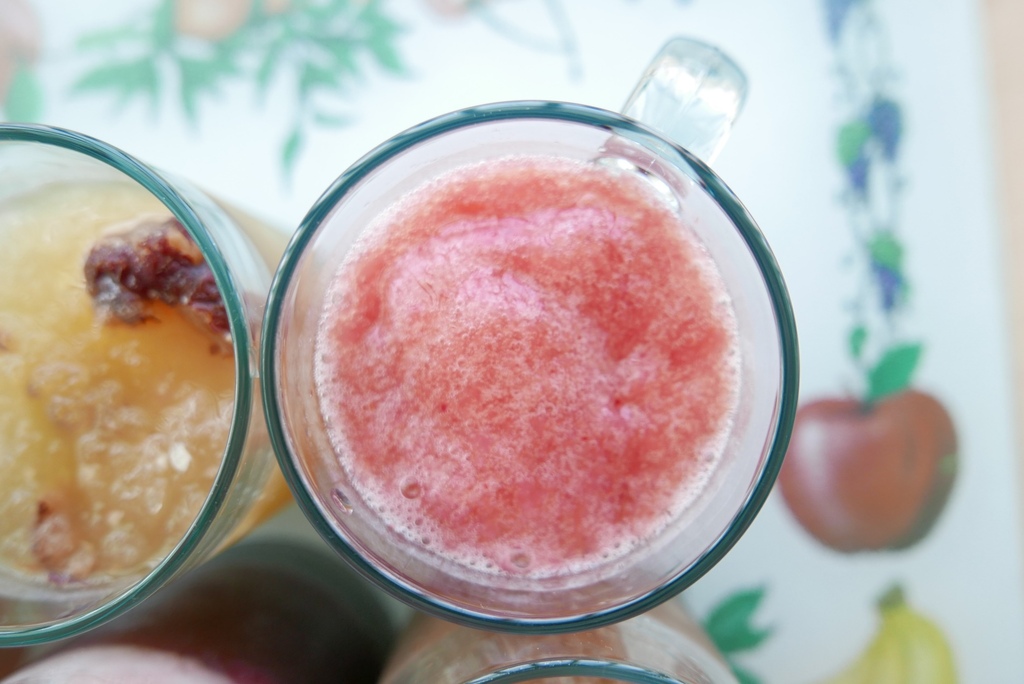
691 94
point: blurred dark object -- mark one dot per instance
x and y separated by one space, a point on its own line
261 613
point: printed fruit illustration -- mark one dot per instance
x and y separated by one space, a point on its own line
908 648
450 8
20 38
454 8
872 471
210 19
863 476
215 20
276 6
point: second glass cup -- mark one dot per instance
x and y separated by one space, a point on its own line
133 445
662 646
531 366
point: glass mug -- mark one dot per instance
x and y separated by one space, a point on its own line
690 89
134 444
663 646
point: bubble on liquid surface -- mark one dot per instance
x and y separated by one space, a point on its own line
411 489
341 501
521 560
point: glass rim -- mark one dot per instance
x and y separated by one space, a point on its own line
723 196
153 182
573 667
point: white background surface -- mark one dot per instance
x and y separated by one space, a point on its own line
967 574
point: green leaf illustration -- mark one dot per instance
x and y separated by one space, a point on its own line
290 151
24 96
851 140
886 251
105 39
331 120
729 623
385 54
858 336
163 25
893 371
314 76
324 12
126 79
323 46
744 676
342 55
269 63
202 77
382 32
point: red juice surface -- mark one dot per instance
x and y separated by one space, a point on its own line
529 366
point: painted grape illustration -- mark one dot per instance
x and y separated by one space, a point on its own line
874 470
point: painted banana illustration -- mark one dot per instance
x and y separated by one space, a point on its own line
907 649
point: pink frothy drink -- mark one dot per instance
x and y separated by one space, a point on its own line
531 366
528 366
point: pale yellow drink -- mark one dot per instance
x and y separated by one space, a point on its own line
110 434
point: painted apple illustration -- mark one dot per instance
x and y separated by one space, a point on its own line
864 476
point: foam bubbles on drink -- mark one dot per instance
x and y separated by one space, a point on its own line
474 373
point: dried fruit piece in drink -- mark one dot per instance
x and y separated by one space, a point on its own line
155 260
